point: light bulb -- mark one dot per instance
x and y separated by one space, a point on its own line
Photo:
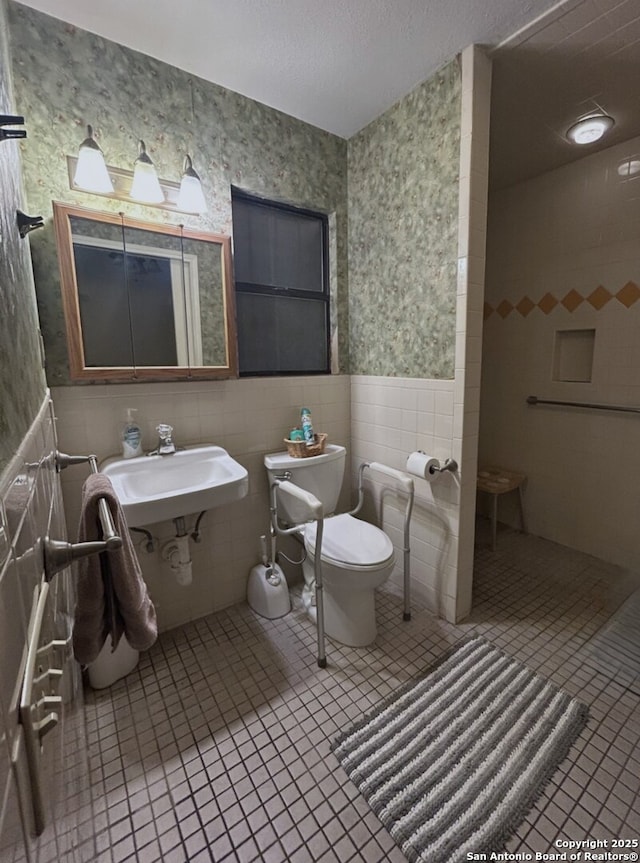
191 197
145 186
91 173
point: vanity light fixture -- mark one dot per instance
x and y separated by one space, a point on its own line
590 129
91 173
191 197
146 186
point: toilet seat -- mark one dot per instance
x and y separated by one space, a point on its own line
350 543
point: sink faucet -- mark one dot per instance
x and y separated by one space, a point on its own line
166 445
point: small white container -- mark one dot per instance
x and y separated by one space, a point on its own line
268 592
108 667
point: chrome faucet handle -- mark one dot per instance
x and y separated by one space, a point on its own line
164 431
166 445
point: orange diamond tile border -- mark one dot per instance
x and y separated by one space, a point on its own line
628 294
547 303
572 300
599 298
525 306
505 308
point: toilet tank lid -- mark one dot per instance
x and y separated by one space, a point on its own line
351 541
283 461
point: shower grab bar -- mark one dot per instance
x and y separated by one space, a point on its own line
409 487
534 400
58 554
316 513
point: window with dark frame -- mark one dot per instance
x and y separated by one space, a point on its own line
280 257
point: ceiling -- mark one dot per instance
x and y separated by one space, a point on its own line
583 58
337 64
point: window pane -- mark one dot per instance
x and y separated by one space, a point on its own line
284 334
276 247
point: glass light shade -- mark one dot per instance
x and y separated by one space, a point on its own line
590 129
145 186
191 197
91 171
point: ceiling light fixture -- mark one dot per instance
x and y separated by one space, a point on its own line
146 186
91 173
590 129
191 197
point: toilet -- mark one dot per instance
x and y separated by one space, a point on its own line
357 557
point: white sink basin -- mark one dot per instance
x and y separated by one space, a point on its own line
161 487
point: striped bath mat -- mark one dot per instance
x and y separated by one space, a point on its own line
452 764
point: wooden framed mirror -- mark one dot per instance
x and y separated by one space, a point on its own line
142 300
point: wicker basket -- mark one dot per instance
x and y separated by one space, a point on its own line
299 448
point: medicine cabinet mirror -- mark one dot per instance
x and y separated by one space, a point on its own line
144 301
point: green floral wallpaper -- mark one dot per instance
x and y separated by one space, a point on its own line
66 78
22 383
403 234
392 267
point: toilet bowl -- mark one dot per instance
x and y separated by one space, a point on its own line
357 557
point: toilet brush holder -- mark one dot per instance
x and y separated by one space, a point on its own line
267 591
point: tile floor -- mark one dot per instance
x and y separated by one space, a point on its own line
217 747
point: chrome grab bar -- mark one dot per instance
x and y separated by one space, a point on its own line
59 554
534 400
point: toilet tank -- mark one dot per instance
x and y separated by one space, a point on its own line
319 474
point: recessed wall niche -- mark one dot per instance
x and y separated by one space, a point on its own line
573 355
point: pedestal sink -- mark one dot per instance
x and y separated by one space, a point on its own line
162 487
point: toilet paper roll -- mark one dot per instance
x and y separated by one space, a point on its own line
421 464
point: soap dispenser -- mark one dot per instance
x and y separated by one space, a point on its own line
131 436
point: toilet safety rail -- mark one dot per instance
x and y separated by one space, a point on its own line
314 512
59 554
407 485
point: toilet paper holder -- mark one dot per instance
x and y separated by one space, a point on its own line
428 466
450 464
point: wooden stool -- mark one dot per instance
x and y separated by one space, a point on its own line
496 481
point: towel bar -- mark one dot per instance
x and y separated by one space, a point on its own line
59 554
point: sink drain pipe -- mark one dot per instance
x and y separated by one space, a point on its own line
177 553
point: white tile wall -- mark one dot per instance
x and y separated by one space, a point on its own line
381 419
472 216
30 509
392 417
249 418
574 228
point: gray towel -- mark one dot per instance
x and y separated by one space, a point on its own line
112 596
